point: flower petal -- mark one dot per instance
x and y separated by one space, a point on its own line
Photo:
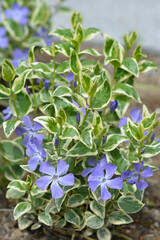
47 168
56 190
33 162
110 170
37 126
141 184
43 182
86 171
147 172
115 183
122 122
105 194
27 121
26 140
126 174
92 161
97 172
94 184
20 131
62 167
136 115
67 180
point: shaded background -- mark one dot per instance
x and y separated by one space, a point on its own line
116 17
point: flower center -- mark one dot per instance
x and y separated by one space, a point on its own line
55 177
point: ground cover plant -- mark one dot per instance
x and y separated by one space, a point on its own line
77 164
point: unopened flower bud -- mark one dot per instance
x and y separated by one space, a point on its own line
75 84
105 139
113 106
78 117
143 150
153 136
56 143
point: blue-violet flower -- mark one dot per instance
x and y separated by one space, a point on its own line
7 113
55 178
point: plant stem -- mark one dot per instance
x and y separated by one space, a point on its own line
34 97
121 235
54 72
13 98
87 112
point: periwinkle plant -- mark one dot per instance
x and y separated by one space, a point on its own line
82 171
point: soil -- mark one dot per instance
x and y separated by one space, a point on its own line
146 225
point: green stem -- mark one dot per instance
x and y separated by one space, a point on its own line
54 72
59 146
34 97
87 112
14 103
112 202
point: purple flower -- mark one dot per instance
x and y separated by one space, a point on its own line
82 108
136 176
70 77
102 177
7 113
43 33
18 13
55 178
3 38
18 56
113 106
37 152
135 115
31 131
91 162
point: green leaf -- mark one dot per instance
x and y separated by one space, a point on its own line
4 91
21 208
16 173
72 217
129 204
97 123
49 123
133 129
98 209
18 185
117 158
79 99
103 234
94 222
23 109
85 81
79 34
8 72
130 65
122 75
64 48
75 63
151 150
17 31
45 219
61 116
34 41
41 14
115 54
15 153
14 194
79 149
62 33
102 96
19 82
129 40
62 91
31 55
146 66
63 67
90 51
70 132
90 33
24 222
119 218
137 54
76 19
113 141
86 137
128 90
75 200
